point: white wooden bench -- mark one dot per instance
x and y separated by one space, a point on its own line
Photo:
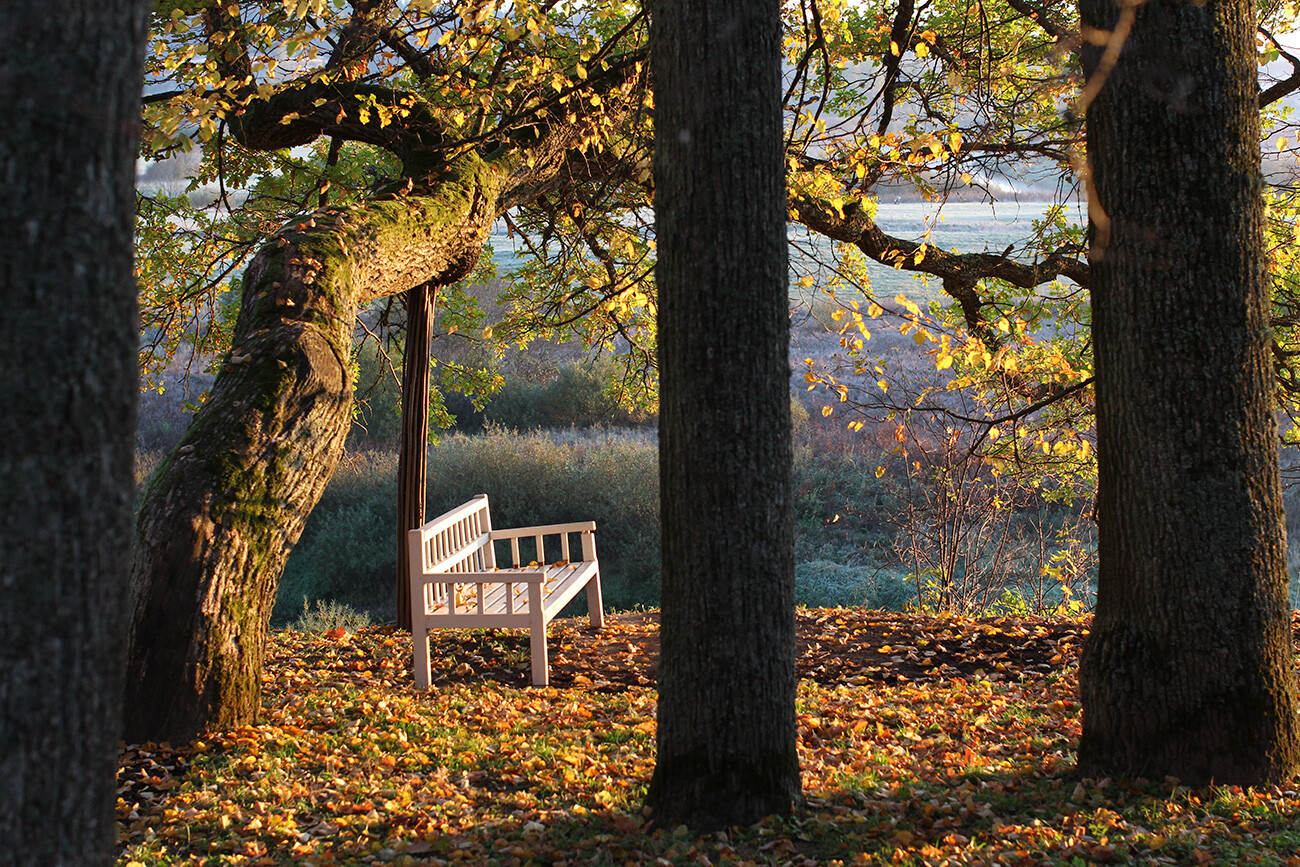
457 584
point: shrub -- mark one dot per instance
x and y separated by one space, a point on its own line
329 615
377 415
578 395
824 584
350 556
348 549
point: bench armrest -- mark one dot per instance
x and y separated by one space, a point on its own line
545 530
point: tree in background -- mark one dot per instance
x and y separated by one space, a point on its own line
726 722
1188 670
70 75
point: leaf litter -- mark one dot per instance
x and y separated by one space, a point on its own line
923 740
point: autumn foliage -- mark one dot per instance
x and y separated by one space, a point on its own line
922 741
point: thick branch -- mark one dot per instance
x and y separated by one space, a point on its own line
1286 86
960 272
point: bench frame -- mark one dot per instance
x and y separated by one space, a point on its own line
457 584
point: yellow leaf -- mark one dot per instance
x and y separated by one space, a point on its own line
943 362
911 306
827 410
922 49
874 309
880 471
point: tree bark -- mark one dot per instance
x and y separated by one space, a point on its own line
727 734
226 507
413 458
70 78
1187 671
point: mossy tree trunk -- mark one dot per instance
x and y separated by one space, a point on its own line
727 735
1187 671
217 524
70 79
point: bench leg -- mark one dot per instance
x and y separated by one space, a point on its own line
541 663
423 674
595 607
537 635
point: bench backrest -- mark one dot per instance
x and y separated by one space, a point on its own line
458 540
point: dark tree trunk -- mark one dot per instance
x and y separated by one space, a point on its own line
227 506
413 458
70 78
1188 669
727 734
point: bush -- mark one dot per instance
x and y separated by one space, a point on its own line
377 414
329 615
823 584
350 556
577 396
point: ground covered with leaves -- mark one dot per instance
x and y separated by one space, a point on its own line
923 741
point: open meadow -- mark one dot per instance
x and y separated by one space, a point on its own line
923 741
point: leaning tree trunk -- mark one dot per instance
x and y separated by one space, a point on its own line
226 507
727 735
70 78
1188 668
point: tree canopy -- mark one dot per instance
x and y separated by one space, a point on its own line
935 100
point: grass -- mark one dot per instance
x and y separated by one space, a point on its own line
350 765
